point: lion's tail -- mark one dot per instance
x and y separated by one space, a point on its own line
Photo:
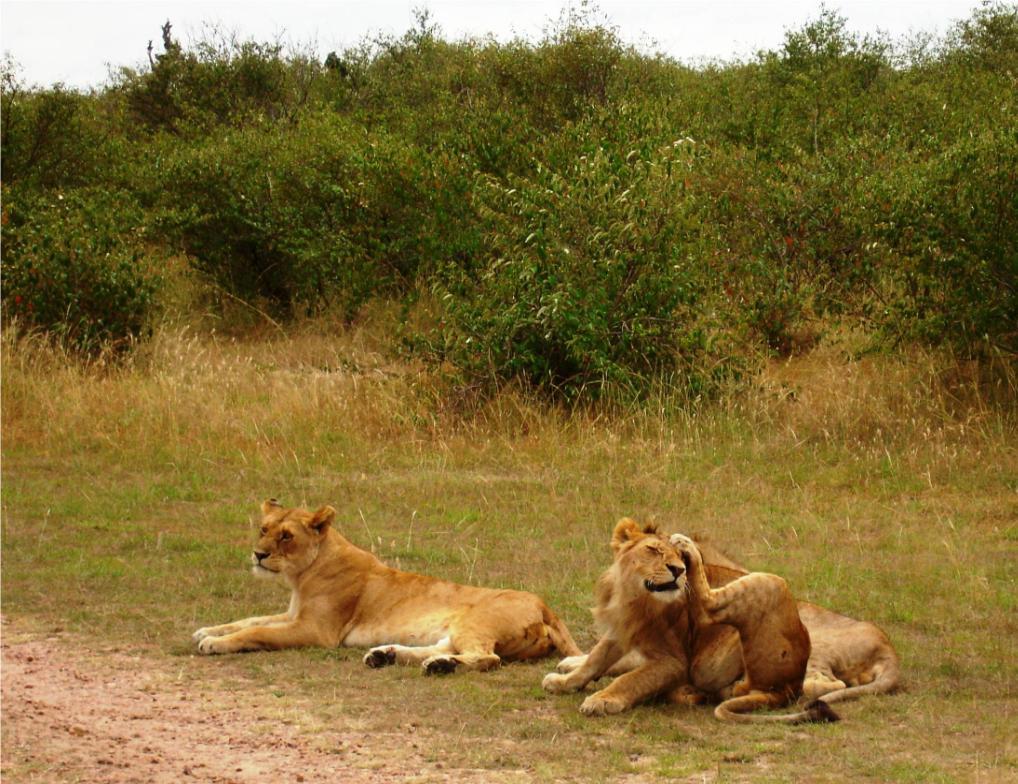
887 675
560 635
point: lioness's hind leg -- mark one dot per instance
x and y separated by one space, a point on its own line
384 655
443 664
817 684
469 650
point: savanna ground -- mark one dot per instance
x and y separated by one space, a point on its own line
885 488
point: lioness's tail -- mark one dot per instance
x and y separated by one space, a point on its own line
738 709
887 674
560 635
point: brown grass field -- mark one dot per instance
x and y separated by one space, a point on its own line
882 487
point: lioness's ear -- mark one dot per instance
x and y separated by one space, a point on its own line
322 519
269 504
626 530
651 528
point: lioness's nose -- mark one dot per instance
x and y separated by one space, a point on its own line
675 570
259 555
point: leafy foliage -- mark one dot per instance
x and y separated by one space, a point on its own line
589 278
535 186
300 217
78 266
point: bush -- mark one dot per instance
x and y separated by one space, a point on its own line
952 224
76 265
219 81
323 213
48 138
590 281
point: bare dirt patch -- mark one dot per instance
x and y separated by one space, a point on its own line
73 714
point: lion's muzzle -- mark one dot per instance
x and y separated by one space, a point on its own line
668 585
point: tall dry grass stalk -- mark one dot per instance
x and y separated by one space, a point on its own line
216 394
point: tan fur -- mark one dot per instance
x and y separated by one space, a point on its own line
635 618
343 595
848 658
775 644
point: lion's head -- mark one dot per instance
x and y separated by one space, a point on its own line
289 539
647 562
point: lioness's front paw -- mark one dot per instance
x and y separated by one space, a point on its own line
682 542
211 645
598 705
380 657
556 683
570 663
202 633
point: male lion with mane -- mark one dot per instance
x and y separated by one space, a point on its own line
847 658
343 595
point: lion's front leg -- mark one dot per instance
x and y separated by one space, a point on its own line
653 678
600 659
292 634
629 661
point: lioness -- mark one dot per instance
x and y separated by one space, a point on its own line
775 643
849 658
343 595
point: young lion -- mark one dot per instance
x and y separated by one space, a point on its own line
641 609
342 595
775 643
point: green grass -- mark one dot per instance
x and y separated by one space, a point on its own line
138 531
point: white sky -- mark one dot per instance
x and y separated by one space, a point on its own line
74 41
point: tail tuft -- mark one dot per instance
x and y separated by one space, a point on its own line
820 712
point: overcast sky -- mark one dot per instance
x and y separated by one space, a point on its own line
75 41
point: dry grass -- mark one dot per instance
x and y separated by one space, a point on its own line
883 487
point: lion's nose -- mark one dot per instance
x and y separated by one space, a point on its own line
676 570
260 556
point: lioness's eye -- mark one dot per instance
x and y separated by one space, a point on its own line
285 536
265 530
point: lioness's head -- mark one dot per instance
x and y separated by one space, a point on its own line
647 561
289 539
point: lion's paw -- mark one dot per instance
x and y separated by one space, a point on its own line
556 683
380 657
597 705
439 665
570 664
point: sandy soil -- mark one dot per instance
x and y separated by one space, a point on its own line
77 715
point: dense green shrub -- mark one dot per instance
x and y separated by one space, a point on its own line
218 81
323 213
590 280
838 177
49 138
952 224
77 265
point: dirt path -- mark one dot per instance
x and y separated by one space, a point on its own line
76 715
